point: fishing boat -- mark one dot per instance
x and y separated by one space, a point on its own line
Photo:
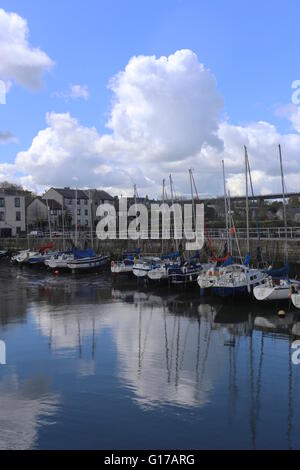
3 253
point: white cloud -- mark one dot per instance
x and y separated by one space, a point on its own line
74 92
163 108
19 61
164 118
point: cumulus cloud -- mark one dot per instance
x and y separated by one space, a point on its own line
74 92
19 61
165 117
163 108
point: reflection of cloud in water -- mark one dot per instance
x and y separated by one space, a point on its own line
166 358
162 357
67 326
24 407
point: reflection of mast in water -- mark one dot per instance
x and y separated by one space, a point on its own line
198 347
252 404
290 400
79 338
167 348
232 384
142 348
255 400
177 353
93 339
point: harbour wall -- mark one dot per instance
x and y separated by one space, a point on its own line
273 250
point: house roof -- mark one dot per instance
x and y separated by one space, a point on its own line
69 193
52 204
99 194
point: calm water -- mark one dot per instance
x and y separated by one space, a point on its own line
91 365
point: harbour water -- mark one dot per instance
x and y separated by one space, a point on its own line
93 365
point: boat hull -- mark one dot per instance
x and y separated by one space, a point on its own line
269 294
85 264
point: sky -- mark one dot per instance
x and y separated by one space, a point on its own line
112 93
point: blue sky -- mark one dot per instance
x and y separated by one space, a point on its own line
251 47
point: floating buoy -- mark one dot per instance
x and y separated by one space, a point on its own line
281 313
56 273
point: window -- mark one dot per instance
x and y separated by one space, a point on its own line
69 202
17 202
86 212
54 212
78 211
85 202
2 217
2 202
78 201
18 216
86 223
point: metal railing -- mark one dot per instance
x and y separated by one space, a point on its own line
265 233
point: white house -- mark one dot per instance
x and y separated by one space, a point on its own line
12 214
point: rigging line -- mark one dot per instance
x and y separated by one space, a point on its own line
254 207
184 345
167 348
146 336
205 227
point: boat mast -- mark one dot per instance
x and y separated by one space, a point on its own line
135 196
229 223
49 221
63 223
193 201
76 218
91 218
175 241
284 206
162 230
247 199
225 204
